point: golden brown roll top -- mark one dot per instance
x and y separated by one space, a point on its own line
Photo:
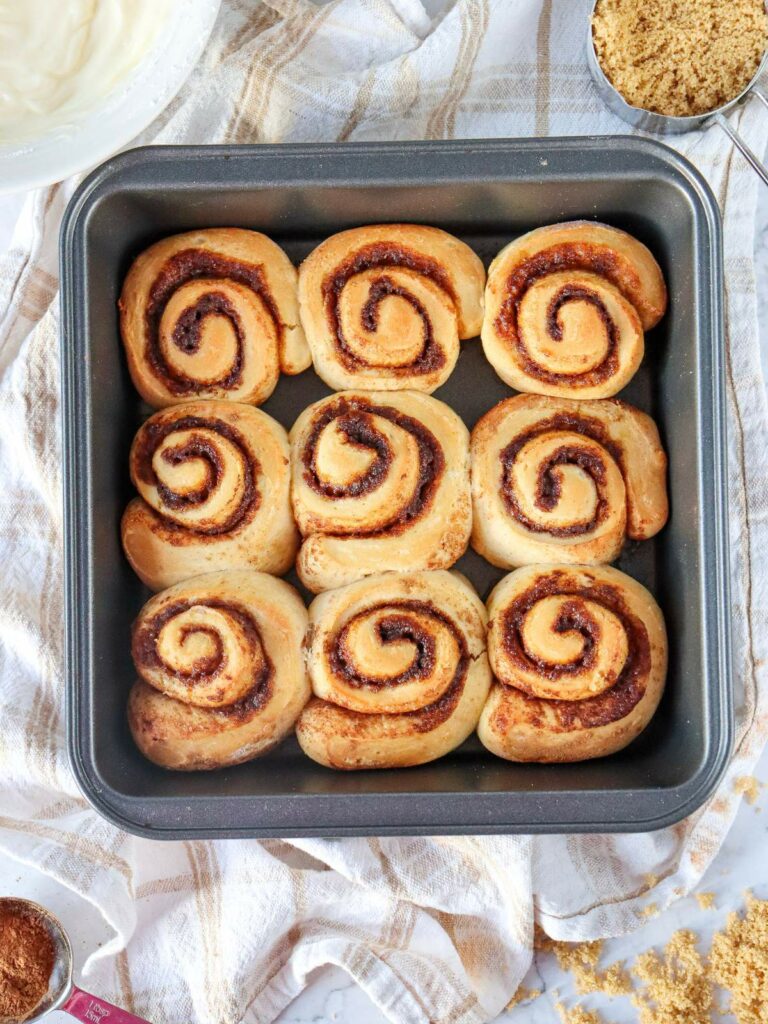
383 307
222 671
562 481
379 480
211 314
398 668
214 485
580 657
566 307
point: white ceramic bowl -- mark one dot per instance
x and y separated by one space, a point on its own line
124 113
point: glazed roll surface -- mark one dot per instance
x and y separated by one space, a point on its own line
379 481
580 657
214 492
563 481
566 308
384 307
211 315
222 674
398 669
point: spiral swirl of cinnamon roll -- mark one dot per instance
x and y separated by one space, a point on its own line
222 672
384 307
566 307
563 481
398 669
211 314
379 480
214 486
580 656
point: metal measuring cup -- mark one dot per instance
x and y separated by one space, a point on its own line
664 124
62 993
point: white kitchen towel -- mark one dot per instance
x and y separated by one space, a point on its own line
435 930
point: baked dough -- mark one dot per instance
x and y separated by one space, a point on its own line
398 668
566 308
384 307
562 481
214 483
211 314
580 656
222 671
380 480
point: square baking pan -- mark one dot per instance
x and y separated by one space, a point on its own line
486 192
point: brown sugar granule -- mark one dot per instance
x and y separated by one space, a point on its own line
748 787
706 900
676 987
577 1015
523 995
581 959
652 910
738 961
680 57
27 956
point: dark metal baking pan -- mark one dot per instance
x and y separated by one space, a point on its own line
487 192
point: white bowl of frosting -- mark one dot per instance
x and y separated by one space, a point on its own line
80 78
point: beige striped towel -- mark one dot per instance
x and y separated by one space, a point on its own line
434 929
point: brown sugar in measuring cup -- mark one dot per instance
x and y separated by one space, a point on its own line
672 124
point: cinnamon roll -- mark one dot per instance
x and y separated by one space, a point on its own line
384 307
222 671
580 657
562 481
379 481
211 314
214 483
398 669
566 307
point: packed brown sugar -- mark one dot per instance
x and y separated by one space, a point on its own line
680 57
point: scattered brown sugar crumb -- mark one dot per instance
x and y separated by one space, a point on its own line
651 910
680 57
523 995
706 900
676 987
738 961
748 787
581 959
651 881
577 1015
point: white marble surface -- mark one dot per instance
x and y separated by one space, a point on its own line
332 998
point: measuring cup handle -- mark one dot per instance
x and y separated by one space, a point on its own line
85 1007
741 145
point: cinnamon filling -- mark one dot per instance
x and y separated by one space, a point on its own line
144 640
615 703
380 256
566 256
548 487
152 434
398 627
355 418
188 265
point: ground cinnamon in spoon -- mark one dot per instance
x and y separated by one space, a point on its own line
27 955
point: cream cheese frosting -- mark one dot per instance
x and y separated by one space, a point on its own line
59 61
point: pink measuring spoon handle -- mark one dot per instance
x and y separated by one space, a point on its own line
83 1006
